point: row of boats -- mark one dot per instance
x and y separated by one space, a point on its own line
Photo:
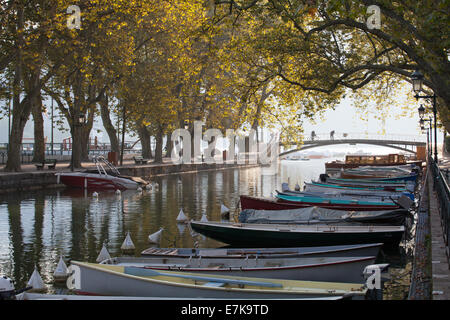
319 243
332 211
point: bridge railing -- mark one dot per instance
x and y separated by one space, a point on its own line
363 136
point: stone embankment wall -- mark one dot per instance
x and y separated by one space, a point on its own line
23 181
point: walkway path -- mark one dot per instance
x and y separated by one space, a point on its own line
439 254
64 166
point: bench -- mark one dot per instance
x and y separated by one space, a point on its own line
140 160
51 164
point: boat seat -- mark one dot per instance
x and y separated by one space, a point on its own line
269 264
214 284
215 265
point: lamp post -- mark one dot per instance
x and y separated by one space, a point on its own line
429 139
417 82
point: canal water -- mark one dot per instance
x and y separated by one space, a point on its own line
36 228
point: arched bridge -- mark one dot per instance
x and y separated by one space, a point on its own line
407 143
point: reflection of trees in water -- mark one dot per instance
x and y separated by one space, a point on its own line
18 266
78 230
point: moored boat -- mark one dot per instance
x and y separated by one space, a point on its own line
101 279
317 215
249 202
290 235
318 201
332 269
378 192
66 297
104 177
353 250
355 161
336 195
357 175
367 183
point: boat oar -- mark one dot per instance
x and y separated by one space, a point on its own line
141 272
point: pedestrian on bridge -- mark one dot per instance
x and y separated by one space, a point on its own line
332 135
313 135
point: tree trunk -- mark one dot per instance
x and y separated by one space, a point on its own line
144 136
159 142
86 132
39 141
107 123
21 110
76 128
76 146
124 118
169 145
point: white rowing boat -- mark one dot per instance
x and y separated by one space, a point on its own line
102 279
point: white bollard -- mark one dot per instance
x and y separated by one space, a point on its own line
60 274
182 217
103 255
127 245
36 282
224 209
155 237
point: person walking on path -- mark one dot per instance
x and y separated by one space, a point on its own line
313 135
332 135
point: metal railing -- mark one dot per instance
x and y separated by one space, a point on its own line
442 189
58 150
364 136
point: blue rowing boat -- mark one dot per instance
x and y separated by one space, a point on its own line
334 201
355 191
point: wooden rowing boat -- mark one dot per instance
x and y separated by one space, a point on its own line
332 269
332 201
364 183
102 279
403 178
354 250
66 297
289 235
324 188
248 202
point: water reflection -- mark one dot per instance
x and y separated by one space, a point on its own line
37 227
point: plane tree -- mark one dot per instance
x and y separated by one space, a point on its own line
331 46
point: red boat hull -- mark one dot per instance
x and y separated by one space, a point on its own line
248 202
96 182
